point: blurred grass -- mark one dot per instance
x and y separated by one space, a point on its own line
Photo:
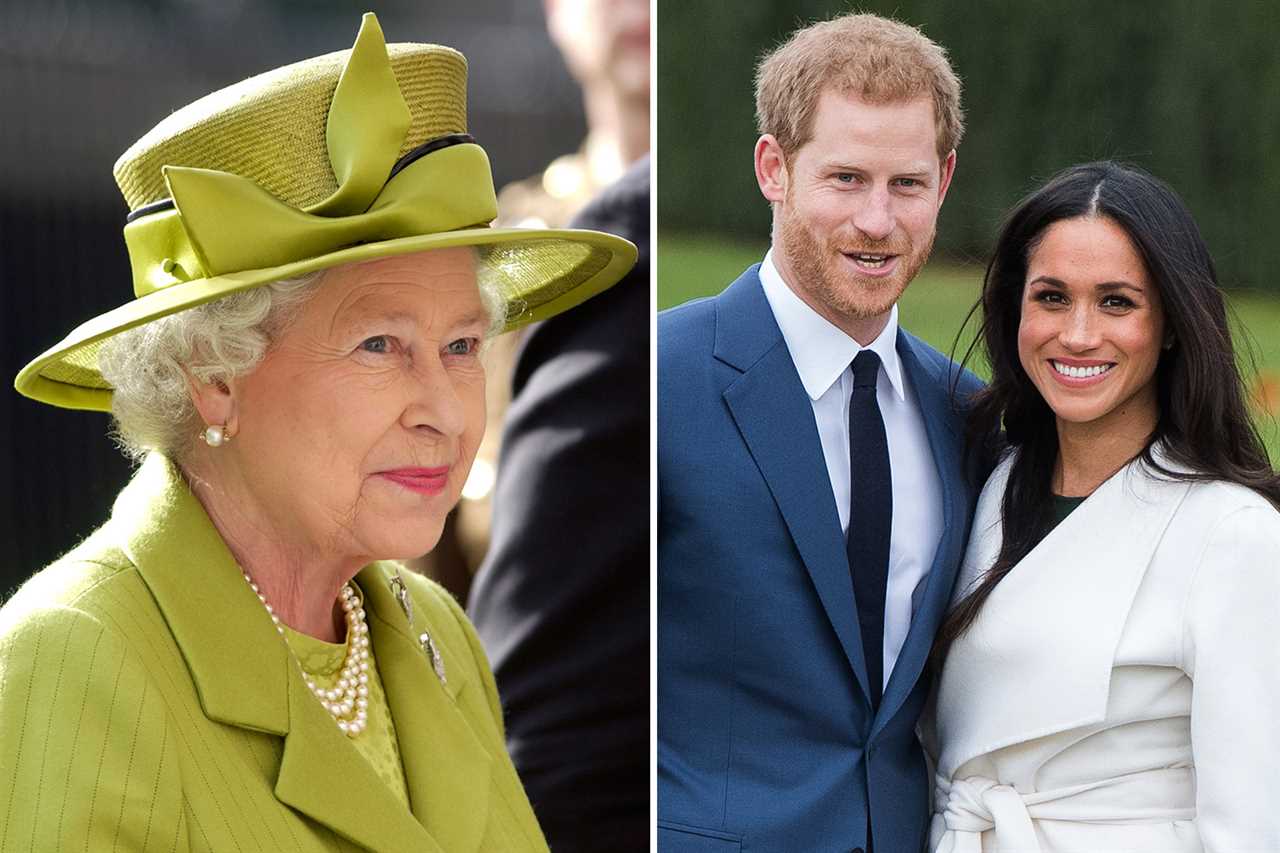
937 302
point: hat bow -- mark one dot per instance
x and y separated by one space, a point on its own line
220 223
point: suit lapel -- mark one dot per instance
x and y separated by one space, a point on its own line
775 418
933 392
1038 659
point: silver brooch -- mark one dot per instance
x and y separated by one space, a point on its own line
401 591
433 654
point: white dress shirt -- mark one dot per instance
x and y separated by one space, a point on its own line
823 354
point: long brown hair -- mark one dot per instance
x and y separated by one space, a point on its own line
1203 425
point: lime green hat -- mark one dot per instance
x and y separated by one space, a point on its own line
346 157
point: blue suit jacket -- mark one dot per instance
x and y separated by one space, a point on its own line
766 739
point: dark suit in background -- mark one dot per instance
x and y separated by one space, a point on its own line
561 601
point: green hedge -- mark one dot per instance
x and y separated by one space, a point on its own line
1188 90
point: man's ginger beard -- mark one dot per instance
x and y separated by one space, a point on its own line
827 277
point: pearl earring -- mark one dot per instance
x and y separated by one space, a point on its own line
215 436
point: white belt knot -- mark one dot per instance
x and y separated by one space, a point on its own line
975 805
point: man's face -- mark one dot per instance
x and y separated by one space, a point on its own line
860 206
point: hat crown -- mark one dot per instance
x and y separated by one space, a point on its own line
348 157
271 128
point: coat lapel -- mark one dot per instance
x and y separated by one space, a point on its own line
324 777
934 395
244 676
775 418
448 769
238 662
1038 659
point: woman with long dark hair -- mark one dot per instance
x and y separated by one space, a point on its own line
1111 669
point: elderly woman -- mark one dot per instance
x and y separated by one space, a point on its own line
228 664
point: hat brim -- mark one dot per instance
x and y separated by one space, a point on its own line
539 272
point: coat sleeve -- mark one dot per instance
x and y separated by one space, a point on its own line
1232 653
89 758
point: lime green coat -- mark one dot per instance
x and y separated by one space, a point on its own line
147 703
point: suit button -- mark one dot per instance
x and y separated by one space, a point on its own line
856 850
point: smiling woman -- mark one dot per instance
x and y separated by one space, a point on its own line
1090 338
1109 674
234 662
365 365
377 376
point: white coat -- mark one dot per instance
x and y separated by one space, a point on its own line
1120 688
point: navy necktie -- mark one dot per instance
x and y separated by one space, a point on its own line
870 514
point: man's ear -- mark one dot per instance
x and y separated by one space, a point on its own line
948 172
215 402
771 168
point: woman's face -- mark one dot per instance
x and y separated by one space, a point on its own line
1092 326
358 428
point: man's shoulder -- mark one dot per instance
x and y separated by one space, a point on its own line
687 322
942 368
693 323
686 347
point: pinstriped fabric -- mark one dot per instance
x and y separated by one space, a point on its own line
81 754
109 747
105 743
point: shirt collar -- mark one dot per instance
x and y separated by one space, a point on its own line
820 350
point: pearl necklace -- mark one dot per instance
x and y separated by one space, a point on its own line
348 701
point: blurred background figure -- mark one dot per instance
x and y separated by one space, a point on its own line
1046 84
561 602
561 599
77 80
605 46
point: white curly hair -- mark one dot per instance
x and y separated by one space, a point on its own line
148 366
